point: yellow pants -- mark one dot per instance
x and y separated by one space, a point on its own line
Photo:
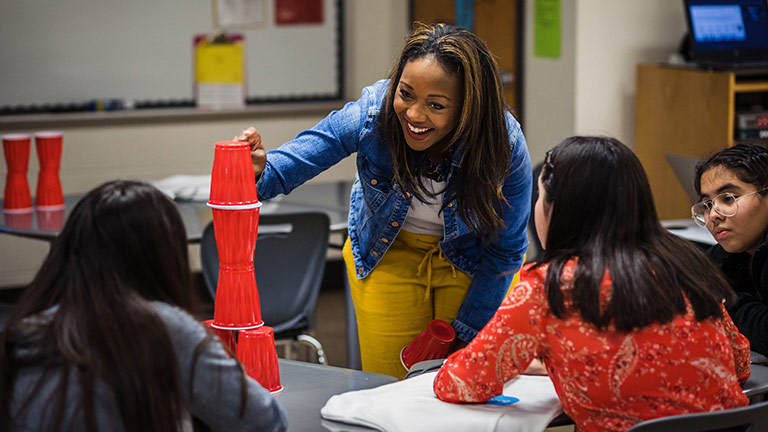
411 285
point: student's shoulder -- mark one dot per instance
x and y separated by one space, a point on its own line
178 321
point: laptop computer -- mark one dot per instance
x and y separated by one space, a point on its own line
728 34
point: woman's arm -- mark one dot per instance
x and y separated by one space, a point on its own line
502 350
503 258
212 382
739 345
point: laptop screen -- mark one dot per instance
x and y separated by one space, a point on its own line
728 31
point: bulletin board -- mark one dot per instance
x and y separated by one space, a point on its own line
59 52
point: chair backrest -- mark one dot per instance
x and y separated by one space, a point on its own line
748 418
535 249
289 262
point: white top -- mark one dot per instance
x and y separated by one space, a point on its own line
425 218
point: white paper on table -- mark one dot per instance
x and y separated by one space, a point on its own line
411 405
195 188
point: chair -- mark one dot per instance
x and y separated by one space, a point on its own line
748 418
289 264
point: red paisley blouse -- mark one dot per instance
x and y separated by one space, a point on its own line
606 380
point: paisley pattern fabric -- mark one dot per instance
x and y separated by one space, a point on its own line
606 380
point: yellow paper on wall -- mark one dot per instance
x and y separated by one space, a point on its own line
219 63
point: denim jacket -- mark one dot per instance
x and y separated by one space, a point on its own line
378 207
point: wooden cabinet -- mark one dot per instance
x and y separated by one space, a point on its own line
689 112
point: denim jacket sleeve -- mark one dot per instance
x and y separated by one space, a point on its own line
316 149
501 259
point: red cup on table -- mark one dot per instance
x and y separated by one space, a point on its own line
237 296
49 193
256 351
233 183
17 196
228 337
433 343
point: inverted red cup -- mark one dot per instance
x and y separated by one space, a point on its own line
16 148
233 183
433 343
228 337
49 192
237 296
256 351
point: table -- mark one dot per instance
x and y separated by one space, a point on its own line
331 198
308 386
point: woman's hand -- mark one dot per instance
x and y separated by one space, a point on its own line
258 154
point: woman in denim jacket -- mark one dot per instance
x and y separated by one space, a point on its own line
441 199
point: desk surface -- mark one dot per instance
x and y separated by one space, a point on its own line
331 198
308 386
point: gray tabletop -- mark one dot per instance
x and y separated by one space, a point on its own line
308 386
331 198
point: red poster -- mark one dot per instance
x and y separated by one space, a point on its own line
298 12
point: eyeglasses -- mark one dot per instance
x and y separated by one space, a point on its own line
726 204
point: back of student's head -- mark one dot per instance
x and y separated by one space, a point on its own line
603 214
123 245
747 160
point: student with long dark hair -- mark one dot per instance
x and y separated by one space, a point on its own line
101 340
439 208
627 318
733 185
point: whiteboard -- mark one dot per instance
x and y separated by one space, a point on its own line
63 51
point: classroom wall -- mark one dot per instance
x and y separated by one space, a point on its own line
374 32
590 89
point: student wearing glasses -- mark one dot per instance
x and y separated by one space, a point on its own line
627 317
733 185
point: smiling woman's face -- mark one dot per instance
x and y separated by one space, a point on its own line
428 103
744 231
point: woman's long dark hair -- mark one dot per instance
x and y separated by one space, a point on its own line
123 245
603 214
481 135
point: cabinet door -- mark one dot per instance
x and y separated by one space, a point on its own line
497 22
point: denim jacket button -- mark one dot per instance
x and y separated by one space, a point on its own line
373 182
406 195
374 253
453 234
395 224
360 270
384 240
450 204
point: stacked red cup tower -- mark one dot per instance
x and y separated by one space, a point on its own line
237 312
49 199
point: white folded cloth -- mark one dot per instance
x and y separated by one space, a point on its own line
185 187
411 405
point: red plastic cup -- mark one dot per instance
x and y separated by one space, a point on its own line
237 296
433 343
256 351
18 220
228 337
17 195
50 219
49 193
233 183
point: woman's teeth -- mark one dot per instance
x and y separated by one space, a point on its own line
417 130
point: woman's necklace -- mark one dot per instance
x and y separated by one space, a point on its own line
437 172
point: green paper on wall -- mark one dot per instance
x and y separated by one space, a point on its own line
546 32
